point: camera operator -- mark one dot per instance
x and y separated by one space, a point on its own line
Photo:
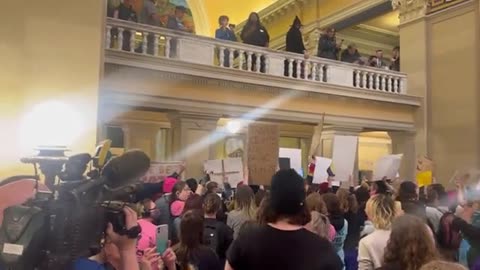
119 251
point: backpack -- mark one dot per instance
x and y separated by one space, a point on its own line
447 237
210 236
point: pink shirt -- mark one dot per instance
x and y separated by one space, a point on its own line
331 233
177 208
147 238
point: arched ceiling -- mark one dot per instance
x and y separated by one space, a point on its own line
206 12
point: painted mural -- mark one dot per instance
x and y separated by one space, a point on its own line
165 9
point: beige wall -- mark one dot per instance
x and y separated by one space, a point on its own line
48 53
454 99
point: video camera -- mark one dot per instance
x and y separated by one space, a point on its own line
53 229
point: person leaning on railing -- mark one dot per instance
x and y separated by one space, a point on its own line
225 32
254 33
328 46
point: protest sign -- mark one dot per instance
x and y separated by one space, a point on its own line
295 156
344 157
387 167
320 174
262 152
159 170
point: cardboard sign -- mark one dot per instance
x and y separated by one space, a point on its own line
295 157
159 170
262 152
387 167
344 156
320 174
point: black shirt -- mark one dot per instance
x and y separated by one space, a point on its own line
257 36
224 236
294 41
264 247
126 13
203 258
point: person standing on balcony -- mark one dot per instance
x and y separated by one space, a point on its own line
295 44
379 62
395 65
150 16
176 22
351 55
225 33
328 46
254 33
125 12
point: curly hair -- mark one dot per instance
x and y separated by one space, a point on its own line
411 245
348 202
381 211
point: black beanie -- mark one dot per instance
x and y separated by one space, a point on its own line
287 193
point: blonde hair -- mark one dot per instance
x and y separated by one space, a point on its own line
381 211
442 265
319 224
245 202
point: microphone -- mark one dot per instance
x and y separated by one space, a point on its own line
126 169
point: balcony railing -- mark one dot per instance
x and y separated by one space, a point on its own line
159 42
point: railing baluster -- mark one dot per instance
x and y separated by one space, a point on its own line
222 56
321 76
144 43
314 72
364 79
120 38
249 61
401 86
240 59
299 67
167 46
305 69
132 40
357 78
108 39
395 84
155 45
258 62
267 64
382 85
370 80
389 83
230 57
290 68
377 82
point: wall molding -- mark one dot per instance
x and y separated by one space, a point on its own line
175 70
108 98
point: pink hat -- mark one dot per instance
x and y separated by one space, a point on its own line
177 208
168 184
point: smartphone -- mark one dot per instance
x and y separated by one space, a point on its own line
162 238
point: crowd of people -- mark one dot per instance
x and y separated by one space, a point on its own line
296 224
253 33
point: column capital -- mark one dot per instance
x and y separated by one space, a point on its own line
341 130
410 10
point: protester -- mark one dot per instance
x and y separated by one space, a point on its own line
395 62
191 253
283 243
327 45
245 209
192 184
176 22
411 245
380 210
119 252
442 265
180 193
320 224
379 62
408 197
149 13
148 235
195 203
351 54
163 203
224 32
125 12
294 44
216 234
254 33
434 211
335 215
355 220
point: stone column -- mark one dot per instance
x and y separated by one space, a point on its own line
327 138
403 142
193 140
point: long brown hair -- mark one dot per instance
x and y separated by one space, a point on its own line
410 245
245 201
191 237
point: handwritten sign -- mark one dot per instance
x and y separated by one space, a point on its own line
228 170
344 155
320 175
262 152
159 170
387 166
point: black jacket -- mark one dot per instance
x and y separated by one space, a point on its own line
327 48
257 36
294 41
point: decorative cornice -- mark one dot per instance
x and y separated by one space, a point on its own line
437 5
378 30
231 78
280 114
410 10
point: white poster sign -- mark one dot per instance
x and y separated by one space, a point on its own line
228 170
343 157
320 174
387 167
295 156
